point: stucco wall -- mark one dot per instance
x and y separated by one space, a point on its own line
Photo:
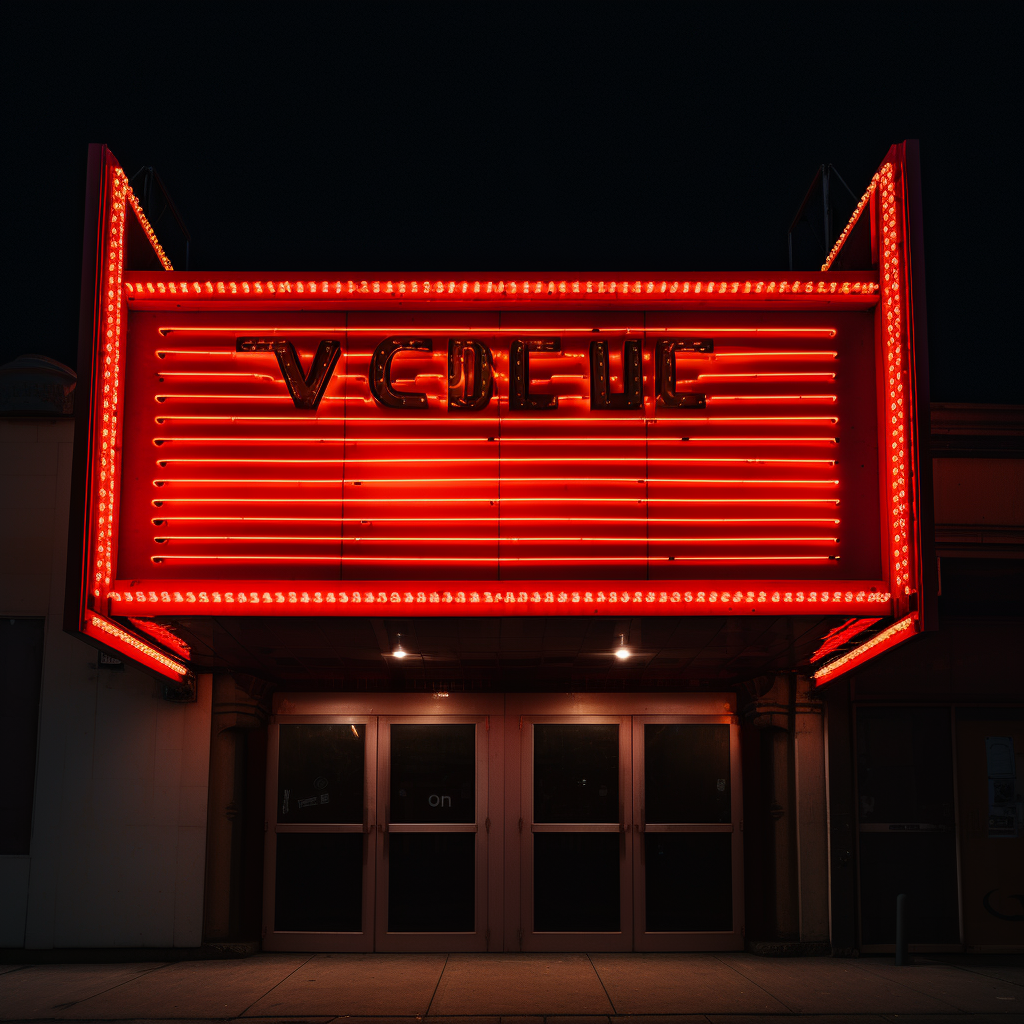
119 816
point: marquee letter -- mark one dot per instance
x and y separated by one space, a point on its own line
601 396
519 396
306 389
666 372
381 387
469 362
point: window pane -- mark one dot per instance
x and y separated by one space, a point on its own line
689 881
433 773
575 773
576 882
431 882
319 882
686 774
320 774
21 662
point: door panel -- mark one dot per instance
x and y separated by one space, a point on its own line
320 868
432 834
432 773
321 774
319 877
576 808
576 882
431 882
688 861
688 881
686 773
576 773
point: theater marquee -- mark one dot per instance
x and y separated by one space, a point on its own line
552 444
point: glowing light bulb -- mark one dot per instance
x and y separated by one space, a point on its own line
398 652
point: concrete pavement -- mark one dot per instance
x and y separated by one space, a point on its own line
698 988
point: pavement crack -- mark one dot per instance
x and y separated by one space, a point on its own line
103 992
607 995
433 995
746 977
281 982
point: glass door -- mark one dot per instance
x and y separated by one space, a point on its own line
319 887
688 853
432 834
576 860
907 839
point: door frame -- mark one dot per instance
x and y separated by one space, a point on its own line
355 942
503 713
453 942
622 940
703 707
688 941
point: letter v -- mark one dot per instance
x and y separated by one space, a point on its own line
306 389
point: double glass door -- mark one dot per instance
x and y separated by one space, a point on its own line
630 834
503 831
380 834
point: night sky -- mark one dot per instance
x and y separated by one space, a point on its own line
520 137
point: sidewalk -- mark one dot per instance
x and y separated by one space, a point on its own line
730 988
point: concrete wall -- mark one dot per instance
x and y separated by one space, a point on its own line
119 818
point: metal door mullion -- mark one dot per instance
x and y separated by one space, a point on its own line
600 826
662 827
394 827
339 827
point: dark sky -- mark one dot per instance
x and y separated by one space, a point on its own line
516 137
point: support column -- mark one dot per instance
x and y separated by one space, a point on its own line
790 717
811 812
234 712
839 761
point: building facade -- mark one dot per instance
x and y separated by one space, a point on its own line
138 821
511 615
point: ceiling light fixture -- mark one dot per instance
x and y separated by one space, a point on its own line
622 652
399 651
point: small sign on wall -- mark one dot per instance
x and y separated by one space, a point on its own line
1004 800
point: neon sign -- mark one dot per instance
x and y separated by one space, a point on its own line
549 446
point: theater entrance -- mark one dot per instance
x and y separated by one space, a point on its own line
486 822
